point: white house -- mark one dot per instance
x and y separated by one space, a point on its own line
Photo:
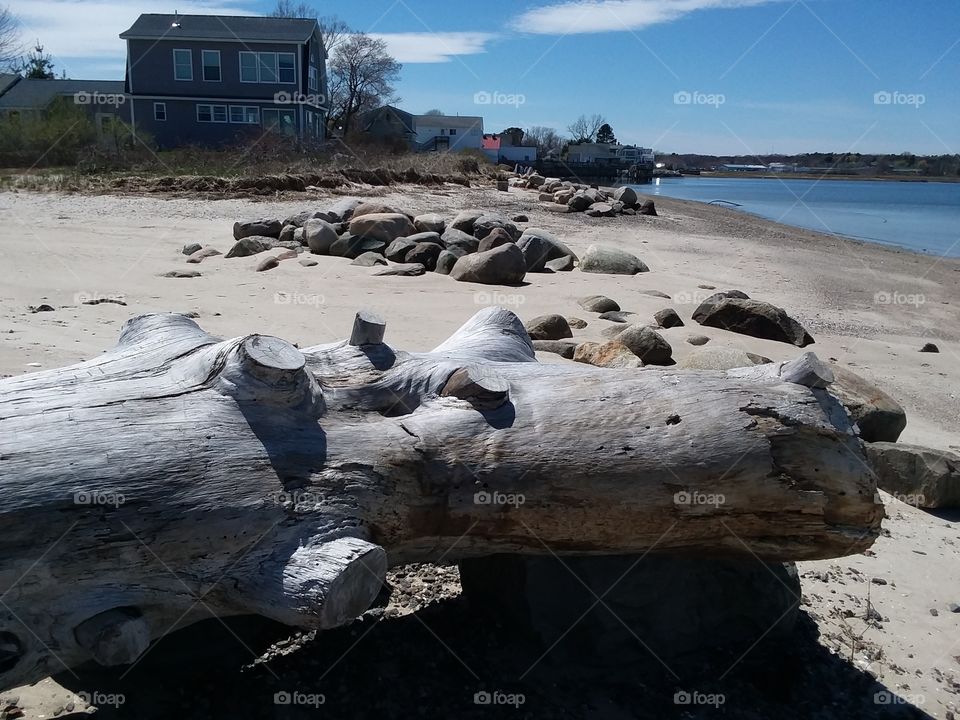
448 132
608 153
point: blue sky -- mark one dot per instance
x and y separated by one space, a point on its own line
709 76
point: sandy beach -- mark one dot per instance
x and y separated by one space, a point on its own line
869 308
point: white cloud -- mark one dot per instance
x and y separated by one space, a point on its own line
590 16
434 47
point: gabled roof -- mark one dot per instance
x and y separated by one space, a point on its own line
30 94
454 121
220 27
6 80
368 118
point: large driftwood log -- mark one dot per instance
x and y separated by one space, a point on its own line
180 475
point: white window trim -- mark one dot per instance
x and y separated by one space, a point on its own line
256 65
212 118
243 110
295 73
260 80
203 66
186 50
159 105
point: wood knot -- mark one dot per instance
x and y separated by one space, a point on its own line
483 392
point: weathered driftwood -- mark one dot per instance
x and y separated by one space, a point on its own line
180 476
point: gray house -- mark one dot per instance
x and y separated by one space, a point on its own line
215 80
103 100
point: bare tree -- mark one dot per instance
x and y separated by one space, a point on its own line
10 47
584 129
434 111
546 139
332 29
362 76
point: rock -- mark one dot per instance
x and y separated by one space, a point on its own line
548 327
465 219
404 269
288 233
486 223
308 262
576 323
266 227
496 238
191 248
626 195
629 211
879 416
535 180
43 307
202 253
539 247
299 237
352 246
668 318
446 260
430 222
503 185
647 344
373 208
698 339
503 265
617 316
754 318
425 253
287 255
598 303
181 274
520 218
655 293
579 203
299 219
613 354
600 209
611 331
342 210
715 299
267 263
685 609
385 227
319 235
563 264
647 208
398 249
920 476
716 357
599 259
369 259
563 348
930 348
453 237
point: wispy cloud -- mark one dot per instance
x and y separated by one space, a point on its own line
592 16
434 47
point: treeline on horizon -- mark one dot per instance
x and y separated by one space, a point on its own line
839 163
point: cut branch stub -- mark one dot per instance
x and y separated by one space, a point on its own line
368 329
484 391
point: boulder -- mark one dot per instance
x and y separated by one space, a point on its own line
486 223
385 227
598 303
398 249
562 264
618 316
465 220
930 348
521 218
287 254
668 318
353 246
299 236
625 195
647 208
716 357
540 246
191 248
503 265
430 222
611 354
319 235
579 203
425 253
535 180
879 417
287 233
698 339
655 293
496 238
453 237
611 331
420 237
917 475
265 227
754 318
647 344
202 253
268 263
600 209
447 259
600 259
342 210
548 327
170 274
369 259
576 323
715 299
308 262
563 348
373 208
404 270
250 245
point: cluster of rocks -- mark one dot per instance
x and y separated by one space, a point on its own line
565 196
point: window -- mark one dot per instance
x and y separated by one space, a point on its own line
288 67
211 65
453 131
267 64
183 65
212 113
248 67
281 121
245 114
312 79
159 111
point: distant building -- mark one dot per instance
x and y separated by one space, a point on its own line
507 148
448 132
388 124
729 167
103 100
609 153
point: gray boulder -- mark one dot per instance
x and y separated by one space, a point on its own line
598 303
425 253
503 265
453 237
342 210
668 318
716 357
611 354
265 227
540 246
250 245
647 344
698 339
352 246
647 208
447 259
600 209
191 248
754 318
879 417
618 316
548 327
917 475
625 195
600 259
319 235
465 220
385 227
369 259
398 249
288 233
485 224
563 348
496 238
562 264
430 222
403 270
579 203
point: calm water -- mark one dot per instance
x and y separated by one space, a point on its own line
923 217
